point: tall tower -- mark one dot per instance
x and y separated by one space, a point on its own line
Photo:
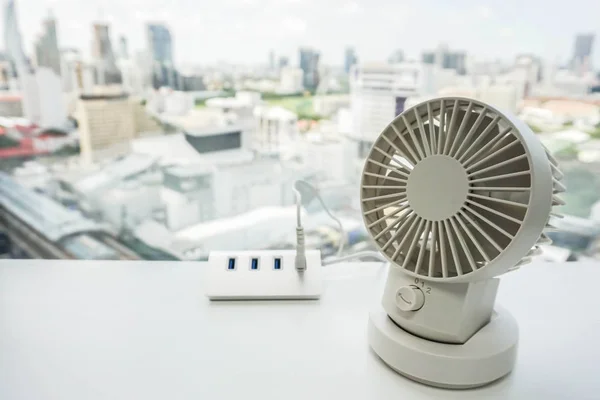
104 57
160 43
160 46
47 53
350 59
582 53
123 48
20 65
272 60
309 63
12 39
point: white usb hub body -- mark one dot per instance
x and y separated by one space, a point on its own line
262 275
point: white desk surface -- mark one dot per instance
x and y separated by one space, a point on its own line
114 330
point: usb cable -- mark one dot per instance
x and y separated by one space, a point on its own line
303 187
300 261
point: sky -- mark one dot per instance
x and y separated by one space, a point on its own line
244 31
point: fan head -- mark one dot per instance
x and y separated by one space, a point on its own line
455 190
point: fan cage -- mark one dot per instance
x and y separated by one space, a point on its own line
497 165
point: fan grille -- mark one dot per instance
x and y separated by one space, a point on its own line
446 187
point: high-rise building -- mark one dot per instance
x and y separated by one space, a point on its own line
582 53
272 60
350 59
283 62
104 58
133 76
20 64
160 43
106 123
53 110
444 58
12 39
379 93
46 48
160 46
123 48
309 63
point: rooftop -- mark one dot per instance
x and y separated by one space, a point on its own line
176 150
203 122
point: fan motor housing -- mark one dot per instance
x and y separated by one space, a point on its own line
449 313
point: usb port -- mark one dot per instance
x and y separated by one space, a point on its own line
231 264
277 263
254 263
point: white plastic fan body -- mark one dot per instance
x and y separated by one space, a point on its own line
454 193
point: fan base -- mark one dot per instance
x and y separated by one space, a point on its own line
487 356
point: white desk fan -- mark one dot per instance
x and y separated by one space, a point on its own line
453 193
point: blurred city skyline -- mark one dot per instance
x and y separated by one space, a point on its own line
244 31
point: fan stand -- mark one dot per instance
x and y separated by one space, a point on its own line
487 356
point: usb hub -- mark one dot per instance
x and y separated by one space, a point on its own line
262 275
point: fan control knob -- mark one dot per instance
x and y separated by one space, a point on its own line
410 298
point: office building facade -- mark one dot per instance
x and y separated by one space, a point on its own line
107 72
309 63
46 48
379 93
445 58
582 53
350 59
106 123
160 47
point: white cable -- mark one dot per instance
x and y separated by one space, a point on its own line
298 208
300 245
360 254
326 209
300 260
339 223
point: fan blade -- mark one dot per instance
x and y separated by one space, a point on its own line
422 250
425 142
473 129
450 131
461 128
453 250
415 158
413 137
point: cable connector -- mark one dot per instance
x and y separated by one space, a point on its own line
300 261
